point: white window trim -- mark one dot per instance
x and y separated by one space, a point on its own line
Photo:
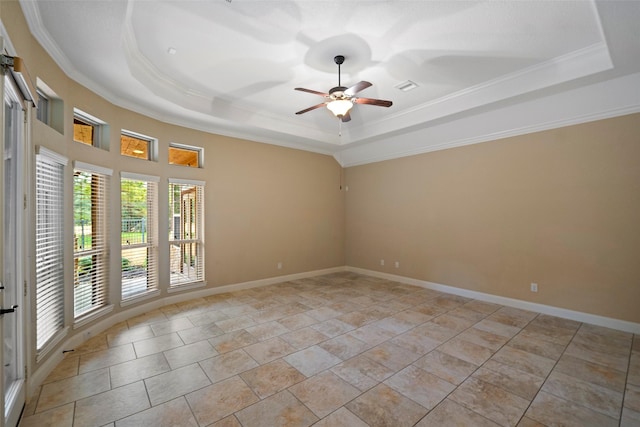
140 297
51 156
53 343
200 241
91 169
90 317
88 117
187 286
93 121
185 181
153 292
153 144
139 177
199 150
87 167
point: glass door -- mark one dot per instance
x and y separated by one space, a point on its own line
12 321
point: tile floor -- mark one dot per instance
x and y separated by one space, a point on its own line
344 350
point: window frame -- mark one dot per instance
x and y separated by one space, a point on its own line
183 245
43 113
49 250
199 151
149 242
152 144
100 247
100 138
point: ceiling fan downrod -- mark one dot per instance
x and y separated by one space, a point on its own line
339 59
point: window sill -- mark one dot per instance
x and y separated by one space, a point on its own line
186 286
137 298
90 317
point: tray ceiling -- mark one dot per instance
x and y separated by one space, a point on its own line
483 69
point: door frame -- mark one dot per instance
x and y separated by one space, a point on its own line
9 88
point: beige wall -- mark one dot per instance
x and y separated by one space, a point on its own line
560 208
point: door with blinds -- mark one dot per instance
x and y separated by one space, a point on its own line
12 318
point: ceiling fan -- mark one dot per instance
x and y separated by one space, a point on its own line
340 99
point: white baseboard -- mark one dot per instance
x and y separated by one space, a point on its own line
43 371
607 322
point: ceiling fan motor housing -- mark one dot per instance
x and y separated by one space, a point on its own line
338 92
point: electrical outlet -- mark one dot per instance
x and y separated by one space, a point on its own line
279 266
381 262
534 287
397 264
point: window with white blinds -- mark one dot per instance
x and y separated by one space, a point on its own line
90 238
186 245
49 251
139 237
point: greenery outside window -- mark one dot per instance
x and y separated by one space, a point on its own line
90 238
138 199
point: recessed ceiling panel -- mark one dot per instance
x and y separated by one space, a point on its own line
231 66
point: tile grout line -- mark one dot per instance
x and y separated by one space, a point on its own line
626 379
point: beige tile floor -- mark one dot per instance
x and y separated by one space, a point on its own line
344 350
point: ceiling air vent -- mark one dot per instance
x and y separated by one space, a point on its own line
406 86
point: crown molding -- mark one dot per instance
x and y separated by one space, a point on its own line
598 101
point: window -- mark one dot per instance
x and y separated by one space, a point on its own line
49 251
50 107
42 112
136 145
184 155
89 130
90 238
138 194
186 257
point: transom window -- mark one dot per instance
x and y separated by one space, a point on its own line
42 112
185 155
137 145
89 130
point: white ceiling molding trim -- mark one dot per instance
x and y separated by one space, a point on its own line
597 102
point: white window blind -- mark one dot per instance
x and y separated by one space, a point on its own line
91 234
139 213
186 245
49 246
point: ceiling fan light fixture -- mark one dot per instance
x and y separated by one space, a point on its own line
340 107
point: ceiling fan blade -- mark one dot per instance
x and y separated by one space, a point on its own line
357 88
311 108
370 101
346 118
315 92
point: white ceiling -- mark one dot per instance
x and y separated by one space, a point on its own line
484 69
